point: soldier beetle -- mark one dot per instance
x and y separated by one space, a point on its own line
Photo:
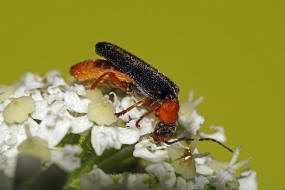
137 77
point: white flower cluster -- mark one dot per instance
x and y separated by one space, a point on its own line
59 109
44 109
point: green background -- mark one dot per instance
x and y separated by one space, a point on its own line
230 51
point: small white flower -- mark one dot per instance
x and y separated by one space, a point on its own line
164 172
10 137
150 152
41 110
79 89
232 166
128 135
134 181
28 83
146 125
54 79
226 172
95 179
188 115
181 184
248 180
36 95
66 157
74 103
53 94
103 138
219 135
199 183
79 124
183 159
53 129
203 169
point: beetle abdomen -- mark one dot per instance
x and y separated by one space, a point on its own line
151 82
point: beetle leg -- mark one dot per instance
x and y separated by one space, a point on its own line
132 106
153 108
113 77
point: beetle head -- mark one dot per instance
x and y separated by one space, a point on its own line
164 131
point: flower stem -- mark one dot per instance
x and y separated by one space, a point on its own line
111 161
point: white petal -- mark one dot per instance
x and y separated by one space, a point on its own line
54 90
103 138
36 95
146 125
198 101
199 183
188 115
165 174
10 137
20 91
223 176
74 103
127 135
149 151
13 135
66 157
240 164
219 135
180 184
134 181
235 155
191 95
31 81
41 110
54 78
95 179
193 123
53 94
79 89
204 169
53 133
80 124
248 181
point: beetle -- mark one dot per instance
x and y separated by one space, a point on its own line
137 77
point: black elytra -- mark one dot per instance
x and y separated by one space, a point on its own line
149 81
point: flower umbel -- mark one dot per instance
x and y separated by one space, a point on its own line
64 124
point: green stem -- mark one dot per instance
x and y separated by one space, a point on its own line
118 161
110 159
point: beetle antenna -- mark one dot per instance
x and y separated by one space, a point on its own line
201 139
